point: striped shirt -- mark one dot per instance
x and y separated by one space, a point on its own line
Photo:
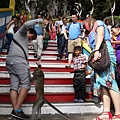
79 62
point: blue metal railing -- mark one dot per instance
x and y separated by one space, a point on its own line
5 17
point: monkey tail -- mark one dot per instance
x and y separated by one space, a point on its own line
66 117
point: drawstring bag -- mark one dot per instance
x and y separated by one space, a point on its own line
103 63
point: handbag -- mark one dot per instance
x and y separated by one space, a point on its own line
103 63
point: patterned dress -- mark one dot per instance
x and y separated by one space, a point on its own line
109 74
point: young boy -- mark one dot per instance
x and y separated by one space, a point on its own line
79 79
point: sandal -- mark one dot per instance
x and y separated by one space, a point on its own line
104 113
116 116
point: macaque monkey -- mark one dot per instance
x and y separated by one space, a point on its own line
38 79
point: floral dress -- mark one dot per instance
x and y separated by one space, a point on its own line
109 74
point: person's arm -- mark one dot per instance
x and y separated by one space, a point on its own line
50 27
99 37
25 27
44 32
59 29
98 40
9 24
115 42
65 34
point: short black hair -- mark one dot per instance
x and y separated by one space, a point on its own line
75 14
77 48
14 17
116 26
64 18
32 31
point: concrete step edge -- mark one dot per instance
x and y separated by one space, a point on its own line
68 108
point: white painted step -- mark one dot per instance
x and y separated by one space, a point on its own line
32 57
48 89
48 75
33 64
68 108
45 52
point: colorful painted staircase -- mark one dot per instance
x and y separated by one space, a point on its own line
58 85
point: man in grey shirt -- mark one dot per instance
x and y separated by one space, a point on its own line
18 67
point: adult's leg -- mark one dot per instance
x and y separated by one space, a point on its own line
106 98
70 57
70 50
60 48
14 86
40 45
13 98
66 45
58 38
35 46
106 103
116 101
21 97
25 85
10 38
63 44
117 73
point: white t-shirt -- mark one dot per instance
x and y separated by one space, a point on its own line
63 29
58 22
11 29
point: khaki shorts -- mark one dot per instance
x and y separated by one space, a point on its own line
73 43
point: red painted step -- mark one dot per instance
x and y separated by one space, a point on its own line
43 54
51 97
47 81
45 69
43 61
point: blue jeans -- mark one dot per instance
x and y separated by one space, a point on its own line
62 44
10 38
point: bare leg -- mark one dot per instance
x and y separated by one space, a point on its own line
116 101
106 104
70 56
22 95
106 99
13 97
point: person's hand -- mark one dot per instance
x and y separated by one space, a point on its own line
67 38
43 36
88 72
38 64
97 56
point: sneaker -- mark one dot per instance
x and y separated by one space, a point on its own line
20 115
80 101
66 58
39 57
68 66
58 58
96 101
35 55
75 100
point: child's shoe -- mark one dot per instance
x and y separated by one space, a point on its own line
80 101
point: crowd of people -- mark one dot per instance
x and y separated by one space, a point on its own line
69 36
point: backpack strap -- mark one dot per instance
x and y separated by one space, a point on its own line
21 48
71 23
